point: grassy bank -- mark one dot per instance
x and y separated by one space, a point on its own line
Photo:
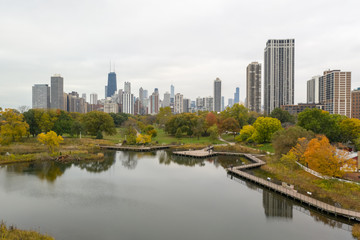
12 233
163 138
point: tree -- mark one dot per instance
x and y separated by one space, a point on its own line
323 158
63 123
163 116
119 118
237 111
284 140
31 120
231 125
143 139
96 121
321 122
350 129
246 134
50 139
12 126
184 121
265 127
214 132
178 133
210 119
130 135
199 128
150 130
282 115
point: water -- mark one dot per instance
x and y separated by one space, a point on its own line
152 196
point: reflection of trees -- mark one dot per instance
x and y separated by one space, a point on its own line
98 166
48 170
276 206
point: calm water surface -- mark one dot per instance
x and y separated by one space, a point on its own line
152 196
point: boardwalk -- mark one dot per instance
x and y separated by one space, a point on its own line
290 192
135 149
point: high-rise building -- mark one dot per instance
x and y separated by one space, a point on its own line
179 103
199 103
41 96
172 94
336 92
128 103
166 102
146 95
154 103
253 87
313 90
237 95
83 96
222 103
111 86
186 105
279 71
217 95
208 104
355 103
93 98
57 92
127 87
230 102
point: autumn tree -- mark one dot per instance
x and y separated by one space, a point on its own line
130 135
214 132
350 129
239 112
246 134
163 116
230 125
210 119
322 157
150 130
284 140
95 122
12 126
51 140
143 139
265 127
282 115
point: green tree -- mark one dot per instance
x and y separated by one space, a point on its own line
12 126
184 121
282 115
119 118
50 139
199 128
239 112
214 132
31 120
150 130
265 127
178 133
350 129
63 123
96 121
163 116
284 140
130 135
246 134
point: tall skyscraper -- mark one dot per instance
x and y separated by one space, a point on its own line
127 87
208 104
336 92
279 56
237 95
154 103
83 96
186 105
355 103
57 92
41 96
111 86
253 87
172 94
166 102
128 103
313 90
93 98
222 103
179 103
217 95
230 102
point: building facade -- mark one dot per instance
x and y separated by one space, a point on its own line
217 95
313 90
279 61
253 87
355 103
57 92
112 85
41 96
93 98
179 103
237 95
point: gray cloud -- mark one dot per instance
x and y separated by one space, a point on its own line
158 43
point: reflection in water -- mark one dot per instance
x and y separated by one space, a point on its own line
277 207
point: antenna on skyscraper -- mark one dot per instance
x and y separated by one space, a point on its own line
114 66
110 65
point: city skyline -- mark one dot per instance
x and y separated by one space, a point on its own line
186 52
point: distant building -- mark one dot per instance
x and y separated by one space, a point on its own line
93 98
279 61
128 103
313 89
253 87
154 103
355 99
296 109
41 96
111 86
217 95
199 103
83 96
230 102
111 107
335 94
208 104
237 95
172 94
57 92
186 105
179 103
127 87
222 103
166 101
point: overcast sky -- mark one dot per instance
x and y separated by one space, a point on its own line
156 43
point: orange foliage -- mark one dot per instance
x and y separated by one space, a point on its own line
300 149
210 119
322 157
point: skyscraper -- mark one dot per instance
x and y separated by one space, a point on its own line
336 92
179 103
127 87
154 102
237 95
217 95
172 94
111 86
313 90
41 96
355 103
166 102
57 92
253 87
93 98
279 73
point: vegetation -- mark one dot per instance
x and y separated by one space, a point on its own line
12 233
12 127
96 122
282 115
50 139
356 231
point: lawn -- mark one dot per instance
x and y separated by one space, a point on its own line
264 147
164 138
228 137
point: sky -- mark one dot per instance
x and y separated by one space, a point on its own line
154 44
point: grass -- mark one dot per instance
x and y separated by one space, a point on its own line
356 231
228 137
267 147
12 233
164 138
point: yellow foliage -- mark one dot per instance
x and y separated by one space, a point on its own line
12 127
299 150
51 139
143 139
